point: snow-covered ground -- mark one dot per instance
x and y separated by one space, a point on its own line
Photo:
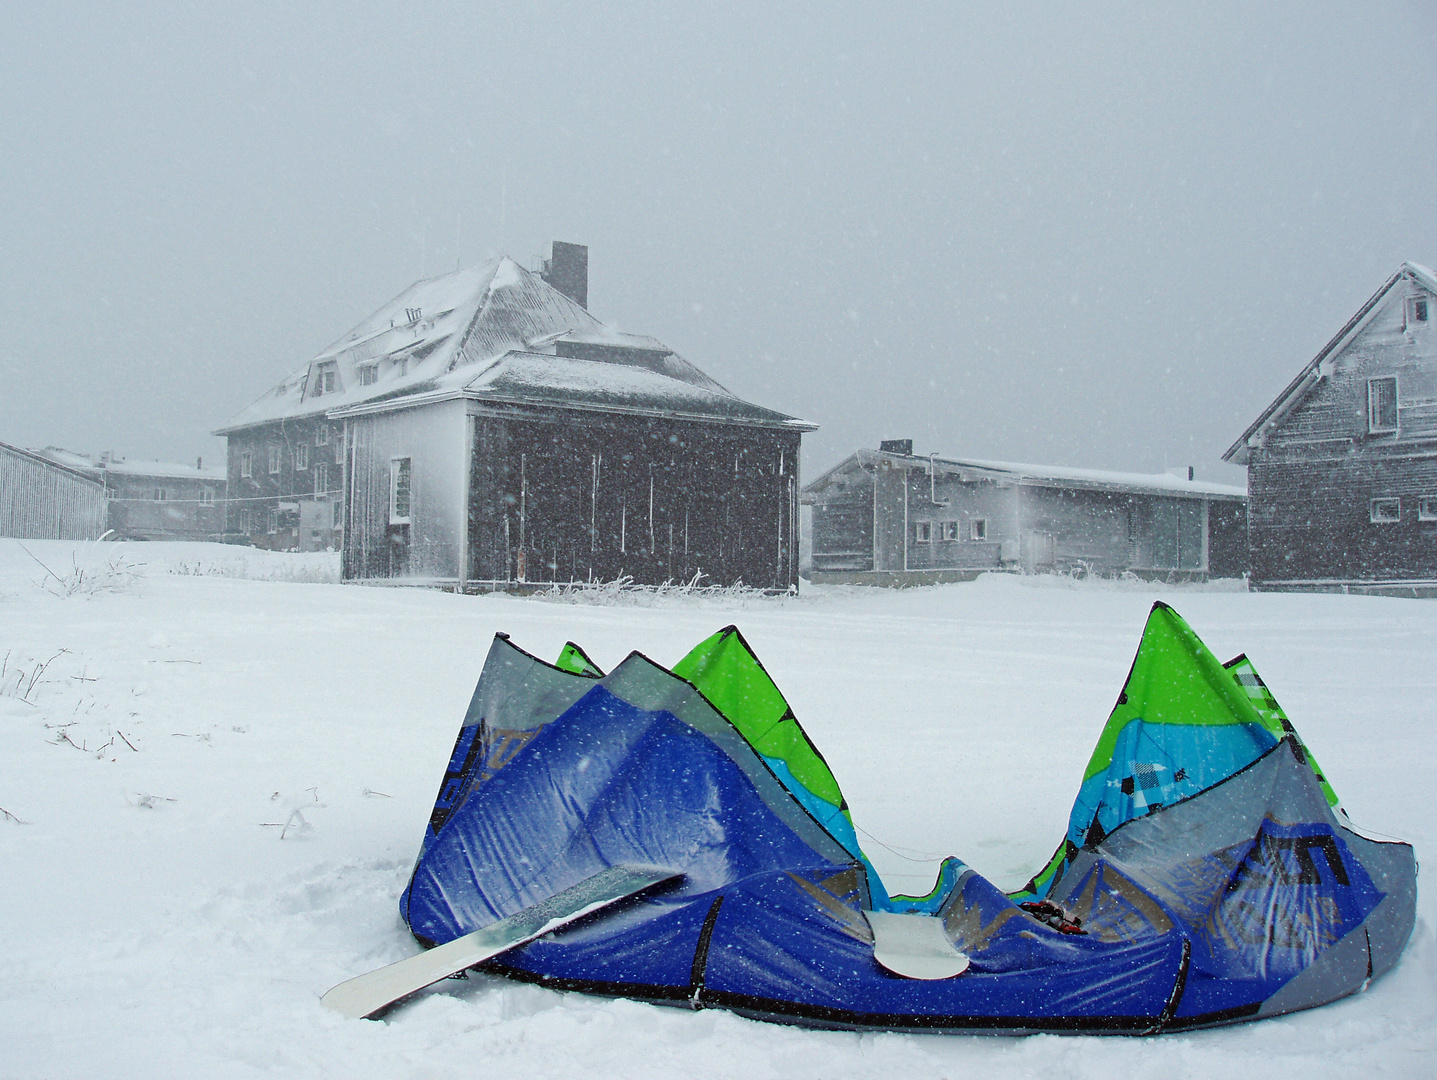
216 766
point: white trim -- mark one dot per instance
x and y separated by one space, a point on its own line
1384 502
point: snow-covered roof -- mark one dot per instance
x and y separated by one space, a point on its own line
492 332
521 377
1307 378
92 464
1049 475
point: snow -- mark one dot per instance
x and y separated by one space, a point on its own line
221 783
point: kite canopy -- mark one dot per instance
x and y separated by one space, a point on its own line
1207 874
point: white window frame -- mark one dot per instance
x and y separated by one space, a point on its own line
301 456
923 532
1374 425
275 461
321 477
207 496
949 530
978 529
161 494
321 435
1427 508
246 463
272 526
368 374
401 466
326 378
246 520
1419 310
1378 510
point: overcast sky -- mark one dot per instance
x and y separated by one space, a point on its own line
1106 237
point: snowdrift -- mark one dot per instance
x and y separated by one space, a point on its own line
1208 874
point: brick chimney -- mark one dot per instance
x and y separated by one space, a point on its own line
567 269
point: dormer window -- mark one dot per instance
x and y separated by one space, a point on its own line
326 378
369 375
1382 405
1418 309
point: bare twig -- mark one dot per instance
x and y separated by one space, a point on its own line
43 567
11 817
121 734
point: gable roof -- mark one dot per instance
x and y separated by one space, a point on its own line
499 332
1044 476
1308 377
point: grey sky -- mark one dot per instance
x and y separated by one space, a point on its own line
1106 237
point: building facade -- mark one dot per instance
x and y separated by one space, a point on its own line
892 518
489 431
1342 466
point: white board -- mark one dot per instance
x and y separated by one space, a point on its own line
914 946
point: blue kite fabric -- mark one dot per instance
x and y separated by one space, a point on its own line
1249 897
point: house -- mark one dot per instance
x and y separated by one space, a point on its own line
890 517
153 500
43 500
484 429
1342 466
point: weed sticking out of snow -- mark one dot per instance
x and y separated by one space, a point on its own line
114 575
623 592
295 822
18 680
281 566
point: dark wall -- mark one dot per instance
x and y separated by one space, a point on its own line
578 497
1227 553
1311 516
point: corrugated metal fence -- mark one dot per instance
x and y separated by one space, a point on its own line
40 500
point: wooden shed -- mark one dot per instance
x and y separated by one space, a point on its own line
890 517
44 500
1342 466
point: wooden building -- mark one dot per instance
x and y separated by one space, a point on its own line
153 500
888 517
44 500
487 430
1342 466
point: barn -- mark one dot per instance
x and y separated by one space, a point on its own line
1342 466
890 517
44 500
484 430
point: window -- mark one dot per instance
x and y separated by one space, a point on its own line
978 529
369 375
950 530
1382 404
1427 508
1386 511
399 490
274 458
339 448
321 477
246 462
246 520
161 494
1417 309
326 378
274 520
207 496
301 456
321 435
923 531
